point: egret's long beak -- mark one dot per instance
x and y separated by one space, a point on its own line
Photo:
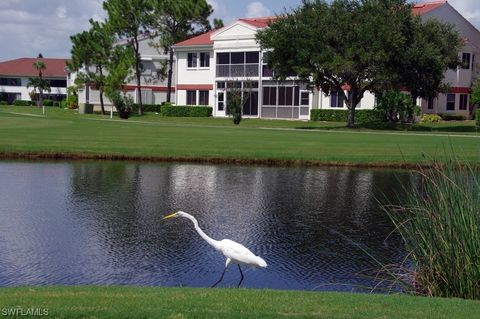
170 216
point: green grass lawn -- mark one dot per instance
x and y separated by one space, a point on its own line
136 302
65 131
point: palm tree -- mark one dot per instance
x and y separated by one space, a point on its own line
39 83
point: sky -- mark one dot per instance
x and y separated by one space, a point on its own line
30 27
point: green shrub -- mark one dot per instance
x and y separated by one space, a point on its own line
396 106
187 111
63 104
440 225
56 103
368 116
329 115
3 103
122 103
235 106
452 117
22 103
47 102
72 101
361 116
431 118
477 117
157 108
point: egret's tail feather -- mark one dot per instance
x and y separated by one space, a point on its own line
261 263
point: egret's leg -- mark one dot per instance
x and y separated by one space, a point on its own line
221 278
223 273
241 273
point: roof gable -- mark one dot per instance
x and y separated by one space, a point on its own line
200 40
24 67
422 8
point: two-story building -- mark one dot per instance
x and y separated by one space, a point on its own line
14 76
211 63
153 80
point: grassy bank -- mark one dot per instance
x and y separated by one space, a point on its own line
131 302
65 133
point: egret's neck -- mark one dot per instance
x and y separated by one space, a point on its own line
211 241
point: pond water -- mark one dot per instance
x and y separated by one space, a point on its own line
78 223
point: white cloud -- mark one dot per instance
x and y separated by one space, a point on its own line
30 27
257 9
220 11
61 12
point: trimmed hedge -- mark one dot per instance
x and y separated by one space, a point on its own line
361 116
452 117
187 111
3 103
22 103
63 104
477 117
148 108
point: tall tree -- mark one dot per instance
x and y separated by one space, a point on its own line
129 19
82 60
39 83
348 44
91 51
175 21
432 48
218 23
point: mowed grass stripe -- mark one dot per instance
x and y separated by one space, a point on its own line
66 132
143 302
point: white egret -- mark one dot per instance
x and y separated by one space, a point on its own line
233 251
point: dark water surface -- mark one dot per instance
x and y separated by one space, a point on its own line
77 223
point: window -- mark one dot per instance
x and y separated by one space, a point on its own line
203 97
220 85
252 57
463 101
191 97
336 99
221 101
466 60
430 103
58 83
223 58
305 99
289 96
204 60
450 102
11 82
269 96
192 60
238 57
281 96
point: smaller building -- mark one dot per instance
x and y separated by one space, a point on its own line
14 75
153 81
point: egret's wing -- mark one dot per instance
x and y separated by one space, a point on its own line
237 251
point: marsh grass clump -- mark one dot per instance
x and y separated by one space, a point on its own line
440 225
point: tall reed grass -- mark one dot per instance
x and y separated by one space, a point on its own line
440 225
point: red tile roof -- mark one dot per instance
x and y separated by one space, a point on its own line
202 39
205 38
24 67
263 22
422 8
259 22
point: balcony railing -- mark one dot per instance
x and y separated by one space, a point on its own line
237 70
